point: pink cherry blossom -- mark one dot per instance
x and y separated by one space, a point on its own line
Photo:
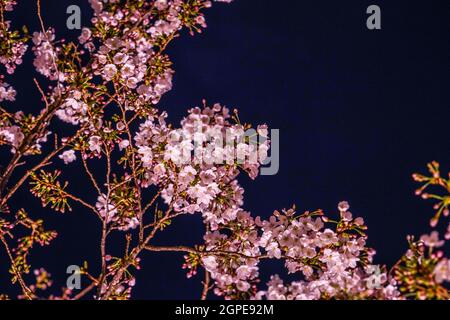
68 156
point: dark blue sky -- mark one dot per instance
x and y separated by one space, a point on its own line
358 111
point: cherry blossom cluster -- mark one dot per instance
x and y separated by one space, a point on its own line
125 58
332 263
442 271
7 93
12 43
106 87
46 55
14 56
194 166
189 164
12 128
12 49
109 210
73 110
9 4
422 272
11 135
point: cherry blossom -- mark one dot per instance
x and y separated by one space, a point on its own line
7 93
432 240
12 135
105 90
442 271
68 156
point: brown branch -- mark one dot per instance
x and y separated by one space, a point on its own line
2 12
206 285
41 21
135 253
91 176
55 65
85 291
41 164
133 168
202 253
41 123
41 92
103 256
152 201
80 201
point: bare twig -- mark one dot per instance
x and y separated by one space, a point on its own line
85 291
206 285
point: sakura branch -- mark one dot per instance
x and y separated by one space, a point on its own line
106 89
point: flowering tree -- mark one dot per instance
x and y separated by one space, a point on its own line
106 88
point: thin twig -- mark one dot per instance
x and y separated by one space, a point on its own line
41 21
43 163
206 285
41 92
85 291
91 176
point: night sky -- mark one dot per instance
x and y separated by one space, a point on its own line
359 111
